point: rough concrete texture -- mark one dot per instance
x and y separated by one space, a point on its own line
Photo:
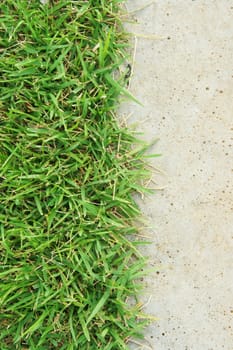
185 81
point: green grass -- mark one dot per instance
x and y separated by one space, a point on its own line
67 174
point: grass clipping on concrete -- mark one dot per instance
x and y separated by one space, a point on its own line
67 175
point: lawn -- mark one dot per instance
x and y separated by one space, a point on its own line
69 263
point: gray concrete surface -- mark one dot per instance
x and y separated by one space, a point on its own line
185 80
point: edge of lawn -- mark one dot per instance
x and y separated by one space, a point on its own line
69 263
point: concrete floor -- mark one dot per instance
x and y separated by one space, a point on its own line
185 80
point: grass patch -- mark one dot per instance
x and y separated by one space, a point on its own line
67 175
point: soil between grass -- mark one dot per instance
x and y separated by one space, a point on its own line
67 175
